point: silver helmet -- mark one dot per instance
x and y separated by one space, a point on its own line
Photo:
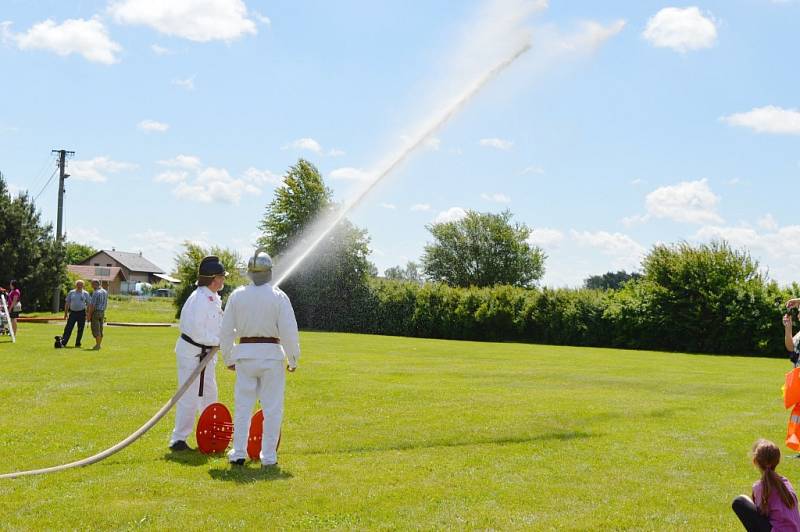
259 267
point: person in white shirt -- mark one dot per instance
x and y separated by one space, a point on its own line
262 318
201 319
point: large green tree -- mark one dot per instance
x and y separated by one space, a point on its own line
609 280
29 251
409 273
482 249
328 286
701 298
188 261
77 252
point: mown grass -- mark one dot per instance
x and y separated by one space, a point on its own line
395 433
128 309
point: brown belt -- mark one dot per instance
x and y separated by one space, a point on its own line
259 340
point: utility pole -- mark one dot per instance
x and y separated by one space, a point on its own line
62 160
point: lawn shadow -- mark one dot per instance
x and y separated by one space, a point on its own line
248 475
188 458
564 435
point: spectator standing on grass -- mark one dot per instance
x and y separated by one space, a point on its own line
97 312
75 313
773 505
14 304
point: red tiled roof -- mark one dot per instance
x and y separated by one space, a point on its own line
101 273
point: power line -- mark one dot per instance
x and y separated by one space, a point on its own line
45 185
41 173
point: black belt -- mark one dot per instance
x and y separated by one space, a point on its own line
204 350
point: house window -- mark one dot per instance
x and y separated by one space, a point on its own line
108 265
97 264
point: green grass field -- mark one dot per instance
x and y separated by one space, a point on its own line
395 433
129 309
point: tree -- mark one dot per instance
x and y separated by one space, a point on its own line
610 280
482 249
409 273
327 289
705 298
29 251
77 253
187 263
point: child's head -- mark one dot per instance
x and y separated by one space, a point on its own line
766 455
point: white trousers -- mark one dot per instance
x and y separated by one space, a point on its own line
264 380
190 404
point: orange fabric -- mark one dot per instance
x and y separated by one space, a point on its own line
791 392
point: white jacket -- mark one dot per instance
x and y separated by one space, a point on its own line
259 311
201 320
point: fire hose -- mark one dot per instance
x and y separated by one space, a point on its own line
127 441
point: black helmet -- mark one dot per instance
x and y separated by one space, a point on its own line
211 266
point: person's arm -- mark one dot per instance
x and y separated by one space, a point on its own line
290 338
66 304
90 307
788 339
227 333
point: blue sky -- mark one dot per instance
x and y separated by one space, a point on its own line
626 124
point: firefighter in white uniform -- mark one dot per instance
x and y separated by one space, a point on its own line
262 318
201 319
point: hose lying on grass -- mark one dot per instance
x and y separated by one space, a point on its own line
127 441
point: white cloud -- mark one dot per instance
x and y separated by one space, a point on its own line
349 173
421 207
637 181
152 125
96 169
453 214
207 184
500 144
158 239
214 185
591 36
768 119
532 170
196 20
305 143
263 19
497 197
91 236
262 177
546 238
187 83
159 50
88 38
171 176
335 152
681 29
768 222
688 201
625 251
190 162
390 206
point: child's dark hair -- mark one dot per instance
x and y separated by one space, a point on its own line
767 456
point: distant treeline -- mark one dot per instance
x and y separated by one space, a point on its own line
703 299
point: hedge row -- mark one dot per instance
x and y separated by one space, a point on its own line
745 321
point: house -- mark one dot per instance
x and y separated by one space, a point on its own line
110 277
133 268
